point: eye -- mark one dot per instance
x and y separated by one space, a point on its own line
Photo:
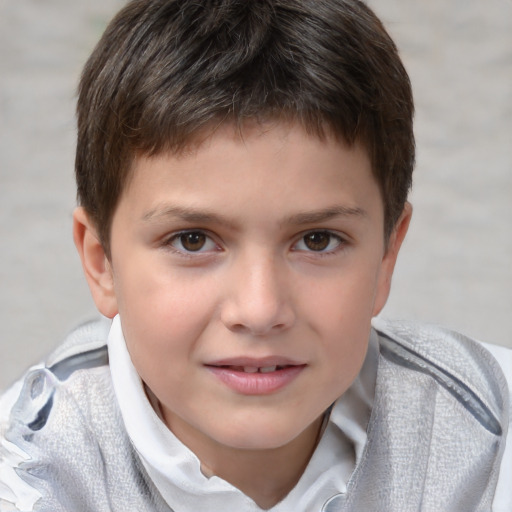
192 241
319 241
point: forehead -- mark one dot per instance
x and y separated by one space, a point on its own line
278 165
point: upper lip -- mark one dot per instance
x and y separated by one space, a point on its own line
263 362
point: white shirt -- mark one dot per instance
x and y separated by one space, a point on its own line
176 471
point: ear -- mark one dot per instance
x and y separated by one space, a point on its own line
390 257
96 266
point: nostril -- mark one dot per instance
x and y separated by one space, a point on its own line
238 328
257 331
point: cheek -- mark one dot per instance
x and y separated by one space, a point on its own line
341 310
163 317
344 299
149 289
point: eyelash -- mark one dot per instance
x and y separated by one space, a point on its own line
340 243
178 237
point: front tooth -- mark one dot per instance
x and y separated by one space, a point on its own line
250 369
268 369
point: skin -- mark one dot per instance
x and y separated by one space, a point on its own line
287 259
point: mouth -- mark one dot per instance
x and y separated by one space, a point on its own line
255 369
256 377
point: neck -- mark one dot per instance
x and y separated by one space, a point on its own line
265 476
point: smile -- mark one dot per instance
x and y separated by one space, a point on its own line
256 379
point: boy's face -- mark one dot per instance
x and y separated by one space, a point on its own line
246 274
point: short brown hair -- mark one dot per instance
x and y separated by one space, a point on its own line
166 69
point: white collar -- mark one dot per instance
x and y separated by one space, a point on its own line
175 470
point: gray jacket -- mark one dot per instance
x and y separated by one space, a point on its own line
435 437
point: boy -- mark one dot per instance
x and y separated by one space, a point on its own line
243 170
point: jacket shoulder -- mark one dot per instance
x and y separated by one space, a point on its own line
85 337
38 412
460 365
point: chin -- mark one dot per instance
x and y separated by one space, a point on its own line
259 436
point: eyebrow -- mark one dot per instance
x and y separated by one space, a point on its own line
315 216
195 215
187 214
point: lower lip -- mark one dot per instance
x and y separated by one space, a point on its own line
256 383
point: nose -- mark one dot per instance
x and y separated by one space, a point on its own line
258 297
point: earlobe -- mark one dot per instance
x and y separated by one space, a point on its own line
95 264
390 257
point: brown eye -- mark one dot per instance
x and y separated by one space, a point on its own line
320 242
193 241
317 241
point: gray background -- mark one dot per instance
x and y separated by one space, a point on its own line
456 265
